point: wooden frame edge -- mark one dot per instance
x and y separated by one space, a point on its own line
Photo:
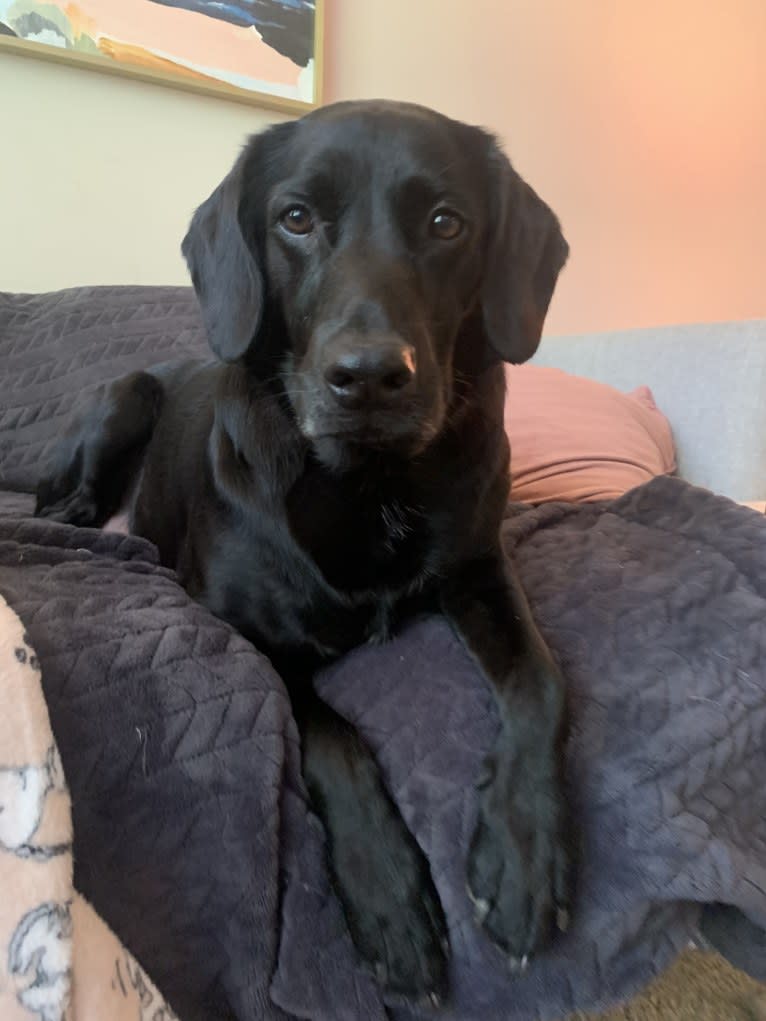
220 90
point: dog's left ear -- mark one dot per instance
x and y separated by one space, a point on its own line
525 252
224 272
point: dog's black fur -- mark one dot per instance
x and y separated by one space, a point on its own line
362 273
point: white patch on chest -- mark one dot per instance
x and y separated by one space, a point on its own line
397 523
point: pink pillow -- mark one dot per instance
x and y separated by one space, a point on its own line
573 439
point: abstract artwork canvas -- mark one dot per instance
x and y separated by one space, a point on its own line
264 50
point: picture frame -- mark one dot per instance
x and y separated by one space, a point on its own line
200 46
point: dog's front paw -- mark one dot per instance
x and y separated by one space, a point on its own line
393 911
518 865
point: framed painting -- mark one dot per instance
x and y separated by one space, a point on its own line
258 51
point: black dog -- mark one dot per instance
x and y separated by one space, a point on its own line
363 272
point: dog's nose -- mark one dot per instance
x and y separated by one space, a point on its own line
376 374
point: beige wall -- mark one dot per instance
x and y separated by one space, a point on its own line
99 174
643 122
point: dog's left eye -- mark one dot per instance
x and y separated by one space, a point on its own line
297 220
446 224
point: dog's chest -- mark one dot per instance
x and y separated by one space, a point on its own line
361 540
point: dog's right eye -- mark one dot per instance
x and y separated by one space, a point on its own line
446 225
297 220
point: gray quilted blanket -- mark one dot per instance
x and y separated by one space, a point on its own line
57 348
192 835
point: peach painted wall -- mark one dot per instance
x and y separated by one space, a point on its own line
643 122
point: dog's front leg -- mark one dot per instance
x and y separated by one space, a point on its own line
94 462
379 872
518 866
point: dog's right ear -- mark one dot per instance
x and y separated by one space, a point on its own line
224 271
526 252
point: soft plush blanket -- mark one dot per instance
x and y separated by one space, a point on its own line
191 830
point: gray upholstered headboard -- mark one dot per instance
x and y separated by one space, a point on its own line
709 379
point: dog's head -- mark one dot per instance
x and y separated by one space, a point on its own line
346 253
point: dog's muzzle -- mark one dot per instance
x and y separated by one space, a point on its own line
367 374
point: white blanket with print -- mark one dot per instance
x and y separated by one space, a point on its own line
58 959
